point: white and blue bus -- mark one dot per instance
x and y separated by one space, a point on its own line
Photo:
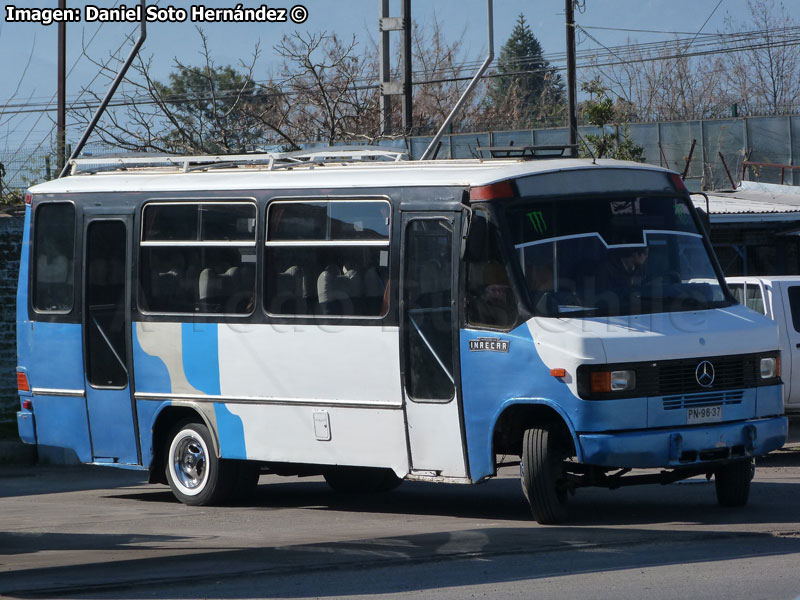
210 319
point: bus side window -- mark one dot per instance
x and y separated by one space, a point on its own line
490 297
198 257
327 258
54 258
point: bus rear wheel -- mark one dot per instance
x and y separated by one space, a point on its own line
194 473
542 472
733 483
361 479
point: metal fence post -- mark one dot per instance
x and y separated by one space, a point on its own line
791 146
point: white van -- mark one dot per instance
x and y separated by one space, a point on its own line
779 299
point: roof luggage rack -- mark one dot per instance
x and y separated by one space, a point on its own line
271 160
529 152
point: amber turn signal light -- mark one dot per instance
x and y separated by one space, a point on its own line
600 382
22 382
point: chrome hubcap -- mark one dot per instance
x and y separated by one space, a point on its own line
189 463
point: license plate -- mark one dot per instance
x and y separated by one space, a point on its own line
704 414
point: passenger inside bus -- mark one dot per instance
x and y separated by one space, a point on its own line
492 301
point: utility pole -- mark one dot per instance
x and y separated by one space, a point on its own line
406 16
572 95
386 50
391 88
61 117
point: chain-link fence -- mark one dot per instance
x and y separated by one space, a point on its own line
710 152
28 166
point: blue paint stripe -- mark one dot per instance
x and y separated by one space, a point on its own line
201 365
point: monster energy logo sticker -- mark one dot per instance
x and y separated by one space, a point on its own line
538 222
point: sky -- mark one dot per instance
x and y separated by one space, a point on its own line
28 50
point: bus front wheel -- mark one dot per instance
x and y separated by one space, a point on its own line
194 473
733 482
542 473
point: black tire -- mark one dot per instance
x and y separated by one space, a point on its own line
733 483
194 473
542 473
361 480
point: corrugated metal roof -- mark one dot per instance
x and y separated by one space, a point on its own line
752 202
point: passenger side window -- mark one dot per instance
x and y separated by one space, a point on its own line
327 258
794 304
737 289
490 297
198 258
54 258
754 298
750 295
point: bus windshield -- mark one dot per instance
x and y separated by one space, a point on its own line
613 256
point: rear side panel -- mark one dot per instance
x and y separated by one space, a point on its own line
52 356
272 393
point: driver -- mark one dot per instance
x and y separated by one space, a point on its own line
623 268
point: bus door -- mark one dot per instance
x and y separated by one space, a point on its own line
106 338
429 342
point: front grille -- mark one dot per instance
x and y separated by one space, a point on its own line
677 379
699 400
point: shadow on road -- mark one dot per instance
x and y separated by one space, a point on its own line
340 568
45 479
31 543
693 501
608 531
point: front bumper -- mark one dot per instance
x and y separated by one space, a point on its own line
684 446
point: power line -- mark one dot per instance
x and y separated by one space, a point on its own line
589 61
624 53
75 64
659 31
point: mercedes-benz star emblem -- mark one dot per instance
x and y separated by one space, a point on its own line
705 374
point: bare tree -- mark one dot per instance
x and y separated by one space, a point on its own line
202 109
667 84
765 75
332 89
442 71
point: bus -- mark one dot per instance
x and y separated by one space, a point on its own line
373 320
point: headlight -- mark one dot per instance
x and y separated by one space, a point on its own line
612 381
770 367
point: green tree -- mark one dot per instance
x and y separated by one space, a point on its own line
527 89
211 109
601 111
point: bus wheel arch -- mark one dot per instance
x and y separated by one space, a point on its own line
519 416
164 424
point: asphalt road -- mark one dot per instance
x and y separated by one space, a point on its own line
104 533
